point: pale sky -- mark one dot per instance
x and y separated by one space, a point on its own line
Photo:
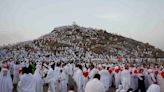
142 20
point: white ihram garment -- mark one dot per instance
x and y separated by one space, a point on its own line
26 83
125 79
39 81
94 85
5 82
153 88
104 78
78 77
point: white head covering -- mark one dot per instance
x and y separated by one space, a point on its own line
150 70
6 81
8 73
116 67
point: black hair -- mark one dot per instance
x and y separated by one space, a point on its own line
130 89
17 62
86 67
72 88
25 70
92 65
61 71
97 76
58 64
53 66
80 67
77 65
29 69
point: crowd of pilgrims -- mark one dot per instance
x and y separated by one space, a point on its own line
80 77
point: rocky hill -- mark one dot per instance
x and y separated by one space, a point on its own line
78 43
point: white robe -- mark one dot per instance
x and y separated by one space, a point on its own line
134 82
16 73
161 83
125 79
63 82
26 83
70 69
117 80
57 78
50 80
153 88
119 89
151 79
110 79
146 81
85 80
92 73
94 85
78 77
6 82
39 81
104 78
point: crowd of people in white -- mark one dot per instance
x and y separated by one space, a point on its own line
68 59
74 42
80 77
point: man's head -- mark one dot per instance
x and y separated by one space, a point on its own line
4 71
97 76
126 67
58 64
61 71
141 70
80 67
155 82
53 66
26 70
92 66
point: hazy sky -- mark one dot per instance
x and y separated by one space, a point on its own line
142 20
